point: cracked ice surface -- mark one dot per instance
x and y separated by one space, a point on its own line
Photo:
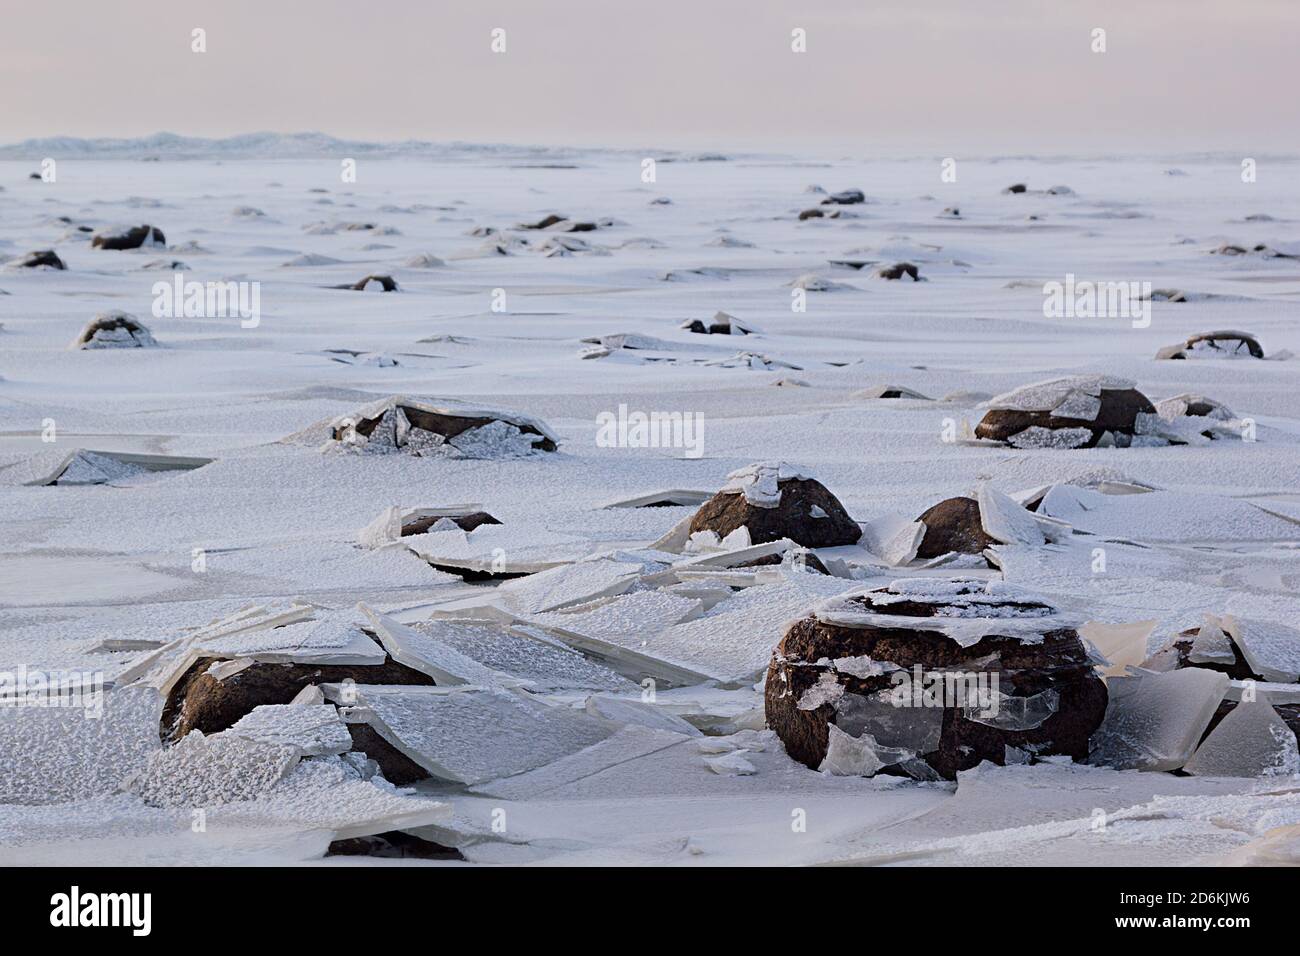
475 734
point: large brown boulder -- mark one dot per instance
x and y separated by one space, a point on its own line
775 501
1075 412
928 677
953 525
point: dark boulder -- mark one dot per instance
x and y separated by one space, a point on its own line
898 270
774 502
43 258
953 525
848 197
132 238
926 678
1083 409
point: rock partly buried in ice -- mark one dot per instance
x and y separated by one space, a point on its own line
1074 412
848 197
818 213
1208 646
929 677
953 525
722 324
396 523
898 270
1015 188
1251 741
1194 406
441 430
892 391
40 259
132 238
114 330
1154 720
1223 343
371 284
202 701
561 224
774 501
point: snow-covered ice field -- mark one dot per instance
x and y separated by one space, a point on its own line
150 557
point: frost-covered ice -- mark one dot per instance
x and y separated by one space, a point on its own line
122 571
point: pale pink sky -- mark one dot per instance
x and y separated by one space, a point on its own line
951 75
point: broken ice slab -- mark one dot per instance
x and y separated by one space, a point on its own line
1251 741
78 746
498 548
525 653
914 730
1120 645
206 771
473 734
314 730
336 639
84 466
671 497
894 539
628 743
623 710
578 583
1005 521
731 643
1271 648
1155 720
423 652
733 557
849 756
1006 712
618 631
1211 645
733 764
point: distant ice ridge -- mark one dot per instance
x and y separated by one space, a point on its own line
267 145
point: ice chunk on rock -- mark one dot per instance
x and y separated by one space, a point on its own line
313 729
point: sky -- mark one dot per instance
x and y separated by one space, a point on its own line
950 76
